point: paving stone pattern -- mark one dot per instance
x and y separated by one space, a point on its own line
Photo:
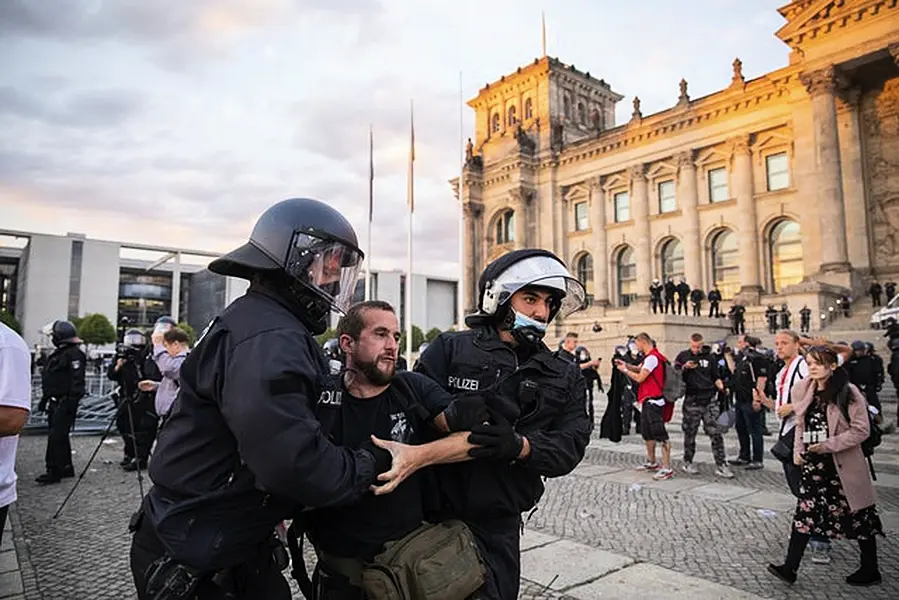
687 526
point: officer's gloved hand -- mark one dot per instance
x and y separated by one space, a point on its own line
42 405
495 441
465 412
383 459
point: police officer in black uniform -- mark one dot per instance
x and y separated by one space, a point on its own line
805 319
241 449
865 373
136 417
63 386
714 302
540 426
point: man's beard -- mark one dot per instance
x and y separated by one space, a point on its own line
375 375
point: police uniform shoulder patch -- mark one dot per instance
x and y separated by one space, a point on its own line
76 365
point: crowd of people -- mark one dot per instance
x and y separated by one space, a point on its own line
258 439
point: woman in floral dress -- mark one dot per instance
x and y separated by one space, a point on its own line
836 496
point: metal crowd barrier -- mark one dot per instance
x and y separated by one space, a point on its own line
94 410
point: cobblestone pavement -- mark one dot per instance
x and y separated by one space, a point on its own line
699 526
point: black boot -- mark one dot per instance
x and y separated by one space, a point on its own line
869 572
48 478
787 571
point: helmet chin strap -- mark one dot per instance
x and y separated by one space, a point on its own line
527 335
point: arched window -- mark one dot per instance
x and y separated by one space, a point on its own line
626 270
513 115
566 106
726 263
672 257
584 267
528 109
505 228
495 123
581 113
785 254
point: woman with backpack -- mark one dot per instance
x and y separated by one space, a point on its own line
836 496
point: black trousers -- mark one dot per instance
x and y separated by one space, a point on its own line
669 303
713 310
749 432
498 541
138 441
697 309
3 511
262 580
60 417
682 305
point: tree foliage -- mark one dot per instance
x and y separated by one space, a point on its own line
96 330
191 333
432 334
329 334
10 321
418 338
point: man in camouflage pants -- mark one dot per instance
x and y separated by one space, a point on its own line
701 381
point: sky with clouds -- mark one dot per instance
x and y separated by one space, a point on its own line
178 122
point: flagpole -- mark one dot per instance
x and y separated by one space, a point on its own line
410 192
371 205
543 32
460 289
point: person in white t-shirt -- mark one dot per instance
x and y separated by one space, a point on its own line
15 404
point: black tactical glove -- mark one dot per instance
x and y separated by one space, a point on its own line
465 412
383 459
496 442
42 405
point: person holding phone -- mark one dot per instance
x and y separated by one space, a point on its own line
701 381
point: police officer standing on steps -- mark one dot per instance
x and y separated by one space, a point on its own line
714 302
540 426
241 449
62 380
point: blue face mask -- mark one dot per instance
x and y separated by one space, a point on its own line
522 322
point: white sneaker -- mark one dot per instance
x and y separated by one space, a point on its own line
664 474
690 468
724 471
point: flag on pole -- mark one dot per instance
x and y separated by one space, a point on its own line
411 158
371 173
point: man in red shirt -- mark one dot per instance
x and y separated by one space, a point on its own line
650 378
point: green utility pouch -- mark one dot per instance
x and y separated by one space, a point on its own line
435 562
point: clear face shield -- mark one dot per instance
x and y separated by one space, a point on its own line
134 339
329 267
537 271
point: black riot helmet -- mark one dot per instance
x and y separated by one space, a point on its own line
331 349
308 249
61 333
517 270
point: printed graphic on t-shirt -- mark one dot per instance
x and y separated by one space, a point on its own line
400 430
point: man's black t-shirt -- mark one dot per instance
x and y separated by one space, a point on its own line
750 366
700 380
360 530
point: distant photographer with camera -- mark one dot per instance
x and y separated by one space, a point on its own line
136 419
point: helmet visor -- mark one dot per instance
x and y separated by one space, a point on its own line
134 338
328 267
544 272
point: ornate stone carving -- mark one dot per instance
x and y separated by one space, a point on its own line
596 119
848 98
894 52
879 120
738 79
557 136
595 184
525 142
472 210
521 196
637 115
469 151
636 172
822 81
741 144
685 160
472 160
684 96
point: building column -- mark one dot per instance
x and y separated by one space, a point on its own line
600 243
853 180
821 86
748 235
520 201
640 215
688 201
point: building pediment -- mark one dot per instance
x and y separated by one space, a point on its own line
807 19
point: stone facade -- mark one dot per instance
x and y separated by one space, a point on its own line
780 189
